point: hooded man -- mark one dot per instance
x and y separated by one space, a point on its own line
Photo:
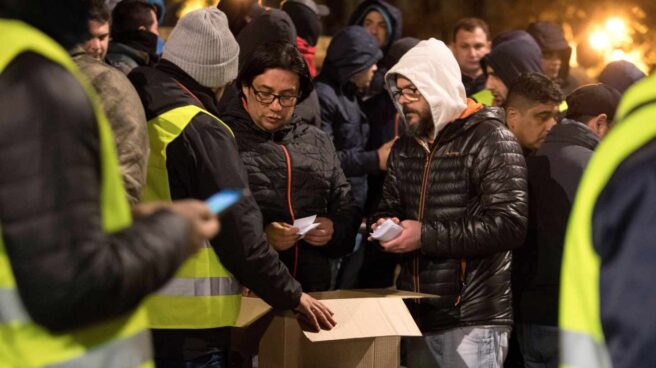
456 183
194 154
621 75
556 53
513 54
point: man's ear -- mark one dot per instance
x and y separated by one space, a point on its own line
512 118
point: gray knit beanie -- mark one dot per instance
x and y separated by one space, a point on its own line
202 45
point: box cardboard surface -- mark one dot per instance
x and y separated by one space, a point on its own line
369 326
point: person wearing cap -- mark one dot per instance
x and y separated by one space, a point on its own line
532 109
556 53
134 35
554 173
306 15
194 155
621 75
513 54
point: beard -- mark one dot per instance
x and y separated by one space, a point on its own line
423 128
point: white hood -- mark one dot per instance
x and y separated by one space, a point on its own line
431 67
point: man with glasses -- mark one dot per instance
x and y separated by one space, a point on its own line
194 154
293 169
456 183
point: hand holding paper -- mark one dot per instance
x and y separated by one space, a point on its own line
305 225
386 231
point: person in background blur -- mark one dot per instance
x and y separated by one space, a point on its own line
306 15
513 54
471 42
556 53
119 100
134 35
621 75
240 13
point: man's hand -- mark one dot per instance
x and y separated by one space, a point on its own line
281 236
204 224
322 234
314 314
409 240
380 222
384 152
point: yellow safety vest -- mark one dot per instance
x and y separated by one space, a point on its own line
203 293
120 342
484 97
581 336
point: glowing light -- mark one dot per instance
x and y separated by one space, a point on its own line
616 26
600 41
617 55
191 5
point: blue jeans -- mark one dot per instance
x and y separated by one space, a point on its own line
214 360
466 347
539 345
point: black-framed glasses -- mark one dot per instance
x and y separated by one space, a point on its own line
409 93
267 98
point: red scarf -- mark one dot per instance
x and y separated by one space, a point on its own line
308 54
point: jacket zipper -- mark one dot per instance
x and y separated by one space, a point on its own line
422 206
288 159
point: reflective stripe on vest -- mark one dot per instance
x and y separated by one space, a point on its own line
582 339
203 293
121 342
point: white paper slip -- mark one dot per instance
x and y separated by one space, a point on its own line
305 225
387 231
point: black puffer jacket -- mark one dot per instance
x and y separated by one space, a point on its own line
475 213
351 51
318 187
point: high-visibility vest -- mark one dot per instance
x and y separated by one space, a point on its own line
581 336
120 342
484 97
203 293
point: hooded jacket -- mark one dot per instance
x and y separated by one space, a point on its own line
620 75
468 190
550 38
513 55
554 173
201 161
351 51
315 182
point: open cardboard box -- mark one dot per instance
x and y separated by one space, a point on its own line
369 326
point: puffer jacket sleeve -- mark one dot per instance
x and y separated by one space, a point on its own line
241 245
499 224
390 204
355 161
342 210
68 271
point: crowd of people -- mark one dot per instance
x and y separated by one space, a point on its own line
524 196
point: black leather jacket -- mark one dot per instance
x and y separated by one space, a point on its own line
474 197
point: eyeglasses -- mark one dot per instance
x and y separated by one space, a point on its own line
409 93
267 98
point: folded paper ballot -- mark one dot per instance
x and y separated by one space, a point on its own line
387 231
305 225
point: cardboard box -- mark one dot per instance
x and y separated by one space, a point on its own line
369 326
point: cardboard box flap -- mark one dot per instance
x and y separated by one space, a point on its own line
369 293
367 317
251 310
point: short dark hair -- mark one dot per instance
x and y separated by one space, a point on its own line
99 11
470 25
277 55
129 15
533 88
